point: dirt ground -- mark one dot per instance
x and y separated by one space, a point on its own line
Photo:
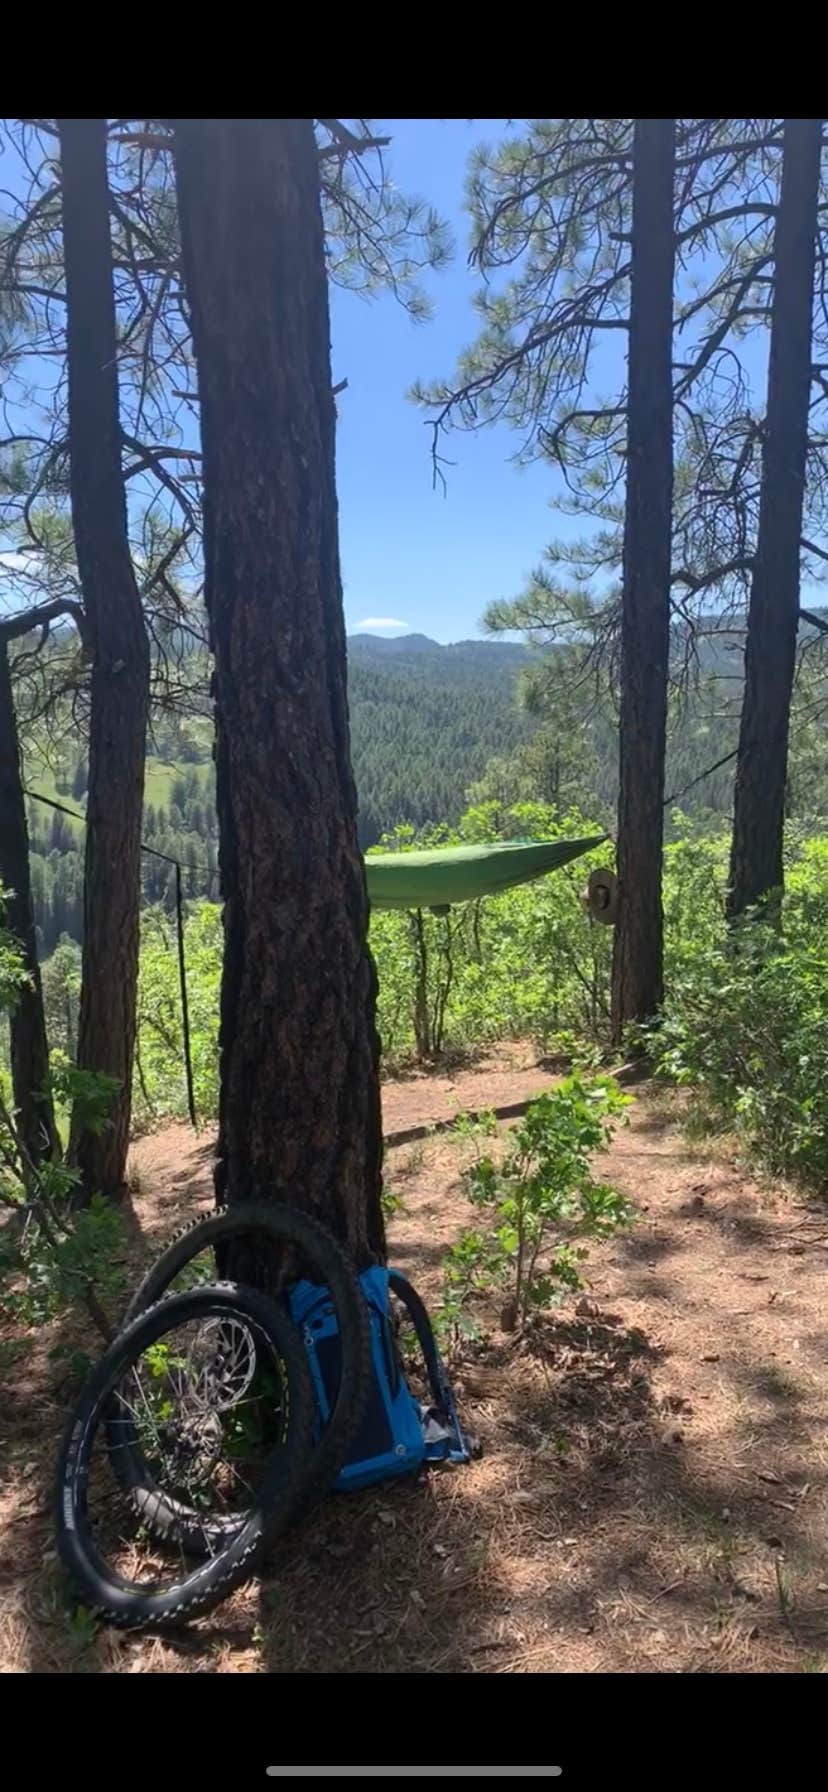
652 1494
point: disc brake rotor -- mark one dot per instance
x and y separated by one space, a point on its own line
218 1370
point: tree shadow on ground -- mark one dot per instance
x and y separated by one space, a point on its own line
590 1533
41 1629
606 1527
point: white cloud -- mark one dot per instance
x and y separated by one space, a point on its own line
382 622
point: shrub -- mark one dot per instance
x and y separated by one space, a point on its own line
543 1202
524 963
51 1255
159 1085
746 1024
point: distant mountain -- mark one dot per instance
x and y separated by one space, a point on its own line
426 719
380 647
493 655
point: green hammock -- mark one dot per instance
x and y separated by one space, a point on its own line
448 874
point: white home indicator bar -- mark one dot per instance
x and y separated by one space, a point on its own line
278 1773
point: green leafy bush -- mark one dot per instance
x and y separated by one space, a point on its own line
542 1201
746 1025
523 964
159 1085
44 1272
50 1254
528 963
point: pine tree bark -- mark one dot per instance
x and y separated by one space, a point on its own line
637 970
299 1116
27 1027
119 652
756 867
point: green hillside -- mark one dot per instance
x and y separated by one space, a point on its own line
425 721
428 722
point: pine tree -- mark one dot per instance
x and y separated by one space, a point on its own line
645 601
773 616
299 1115
120 656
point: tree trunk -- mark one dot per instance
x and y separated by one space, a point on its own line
118 644
773 612
299 1110
637 968
422 1030
29 1047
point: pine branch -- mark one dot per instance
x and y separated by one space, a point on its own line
346 143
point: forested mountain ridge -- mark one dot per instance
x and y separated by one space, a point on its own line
425 721
428 722
484 655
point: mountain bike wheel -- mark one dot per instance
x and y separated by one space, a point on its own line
213 1389
317 1256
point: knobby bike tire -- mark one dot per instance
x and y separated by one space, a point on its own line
122 1602
285 1226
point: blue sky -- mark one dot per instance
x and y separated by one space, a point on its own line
433 562
429 560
